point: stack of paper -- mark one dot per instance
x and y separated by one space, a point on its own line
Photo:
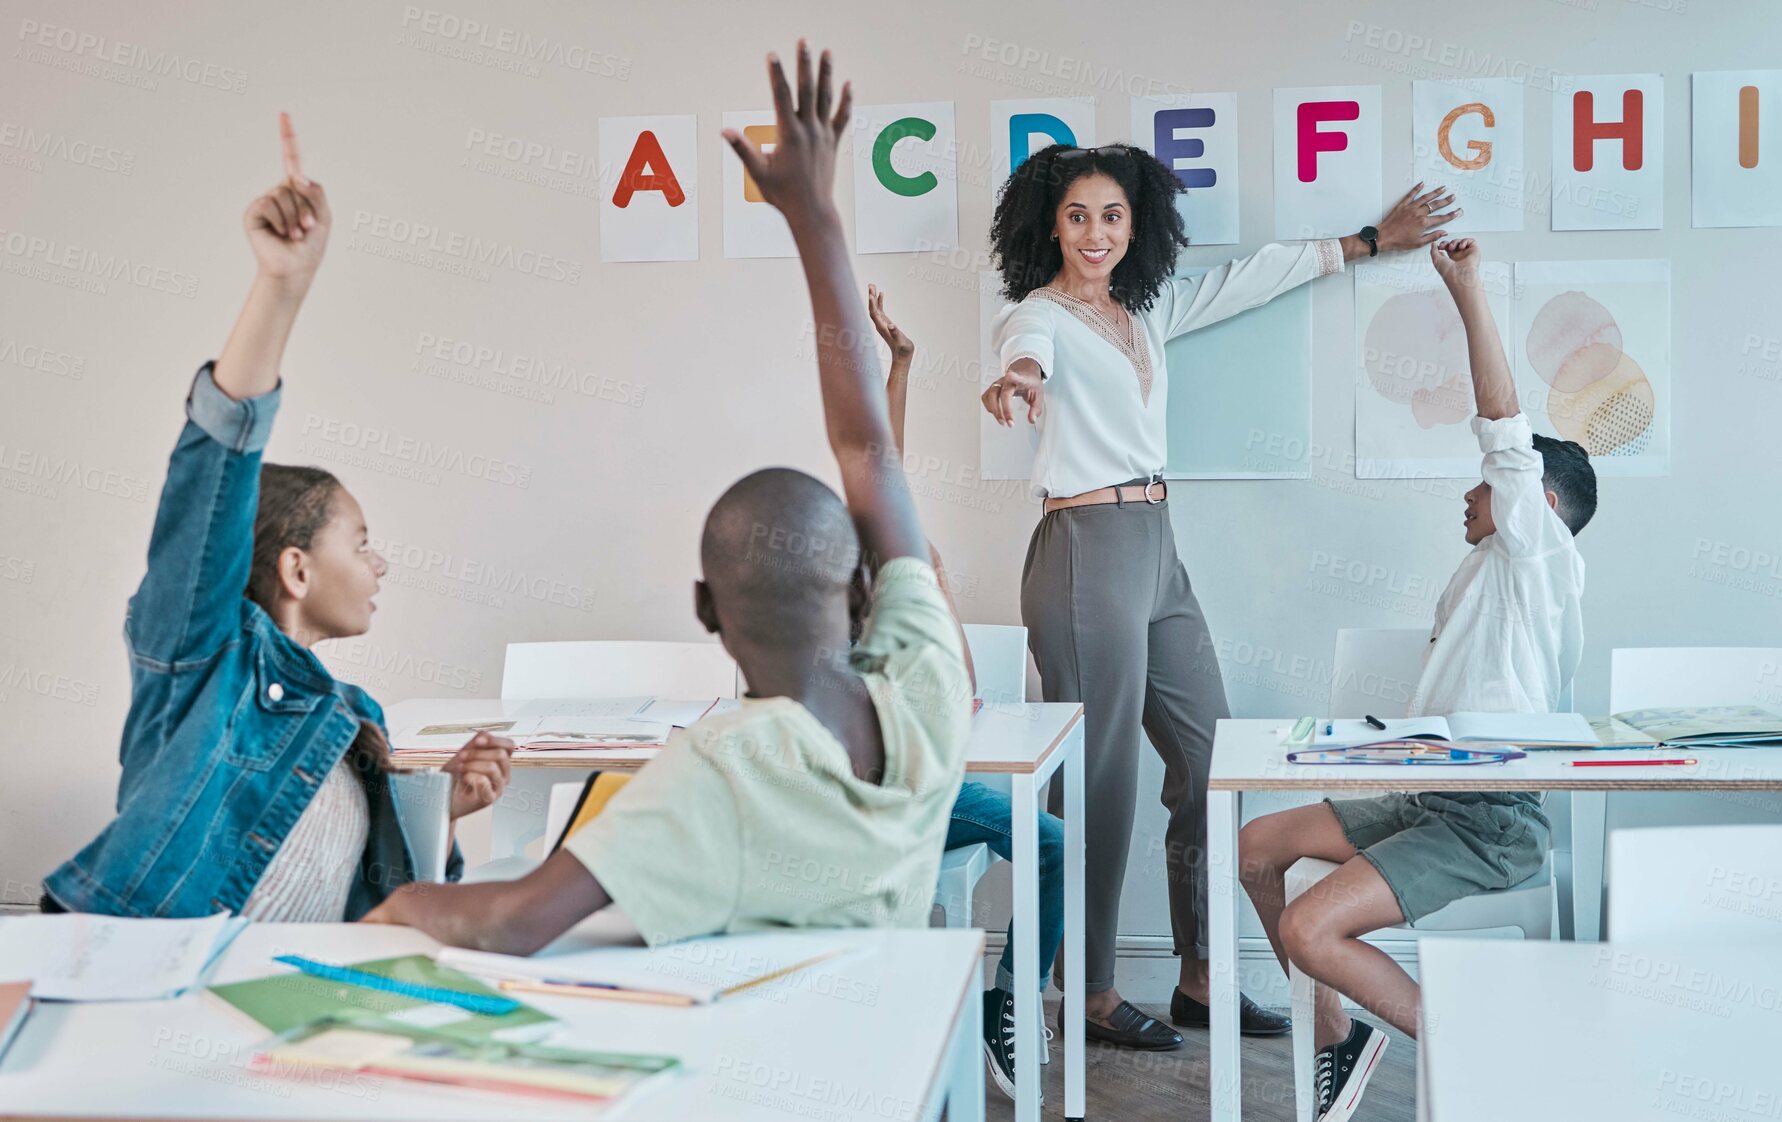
563 724
694 972
82 957
382 1028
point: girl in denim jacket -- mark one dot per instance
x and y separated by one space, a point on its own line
253 781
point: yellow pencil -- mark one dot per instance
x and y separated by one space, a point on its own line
603 993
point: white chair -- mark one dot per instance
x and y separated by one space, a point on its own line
1375 669
1650 677
562 804
1660 677
999 657
617 668
594 668
1696 882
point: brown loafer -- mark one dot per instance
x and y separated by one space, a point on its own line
1253 1019
1128 1027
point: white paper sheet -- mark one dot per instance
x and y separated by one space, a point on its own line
1196 136
1041 121
1413 378
1737 165
751 228
1593 358
1328 178
1003 453
659 220
1614 180
1467 135
83 957
906 177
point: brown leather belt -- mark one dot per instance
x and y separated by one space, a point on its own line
1151 493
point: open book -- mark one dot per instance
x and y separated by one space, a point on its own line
1712 726
1569 729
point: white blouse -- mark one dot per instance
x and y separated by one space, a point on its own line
1107 391
1509 628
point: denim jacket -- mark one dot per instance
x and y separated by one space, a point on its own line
232 725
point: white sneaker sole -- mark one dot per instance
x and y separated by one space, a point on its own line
1365 1065
997 1075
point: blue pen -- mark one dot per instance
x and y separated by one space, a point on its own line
474 1002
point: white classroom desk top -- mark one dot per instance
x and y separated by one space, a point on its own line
864 1037
1006 737
1573 1031
1248 756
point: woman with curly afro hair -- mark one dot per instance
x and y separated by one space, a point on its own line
1086 239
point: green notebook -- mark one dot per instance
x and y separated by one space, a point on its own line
285 1001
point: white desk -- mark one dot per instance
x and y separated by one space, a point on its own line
1028 742
1571 1031
1248 756
893 1035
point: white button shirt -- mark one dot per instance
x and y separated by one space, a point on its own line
1100 427
1509 628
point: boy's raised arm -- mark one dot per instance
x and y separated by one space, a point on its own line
797 177
1494 390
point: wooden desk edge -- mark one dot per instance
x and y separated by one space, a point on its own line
1444 784
544 760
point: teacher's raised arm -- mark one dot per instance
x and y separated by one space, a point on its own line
1086 240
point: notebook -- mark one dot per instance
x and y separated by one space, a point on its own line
410 1053
1551 729
283 1002
76 956
694 972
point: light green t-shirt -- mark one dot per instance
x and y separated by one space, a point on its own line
754 819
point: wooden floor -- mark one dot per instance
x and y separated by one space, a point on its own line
1128 1086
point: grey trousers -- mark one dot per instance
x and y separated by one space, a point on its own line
1113 624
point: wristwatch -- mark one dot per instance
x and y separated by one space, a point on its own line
1372 237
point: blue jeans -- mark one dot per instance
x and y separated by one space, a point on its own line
983 814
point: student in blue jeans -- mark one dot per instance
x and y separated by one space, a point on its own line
982 814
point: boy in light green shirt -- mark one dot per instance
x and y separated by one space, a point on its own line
824 800
788 834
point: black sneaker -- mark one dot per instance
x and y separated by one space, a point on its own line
999 1039
1342 1071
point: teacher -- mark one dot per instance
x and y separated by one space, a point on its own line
1086 241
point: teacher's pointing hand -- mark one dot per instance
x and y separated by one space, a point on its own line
1022 380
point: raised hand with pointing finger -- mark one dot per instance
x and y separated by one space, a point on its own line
288 225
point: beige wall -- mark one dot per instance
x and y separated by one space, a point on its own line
714 357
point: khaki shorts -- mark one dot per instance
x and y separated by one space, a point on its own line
1434 849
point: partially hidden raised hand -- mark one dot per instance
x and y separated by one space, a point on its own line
902 346
287 227
1456 260
798 175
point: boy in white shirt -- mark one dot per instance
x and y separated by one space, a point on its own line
1508 634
